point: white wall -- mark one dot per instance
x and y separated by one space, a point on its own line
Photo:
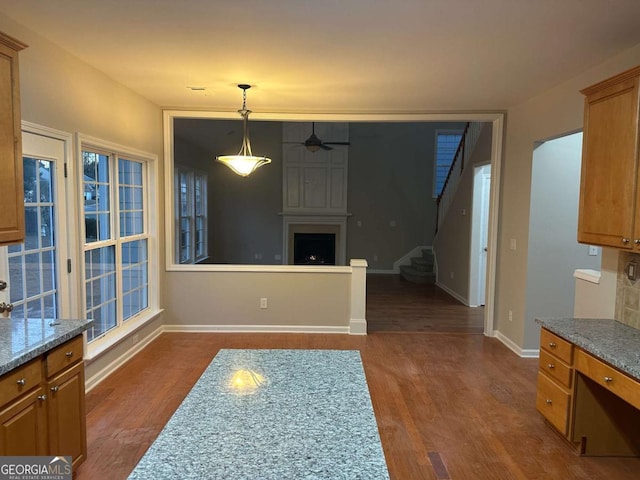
555 112
553 250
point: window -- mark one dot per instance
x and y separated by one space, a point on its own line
447 142
117 235
191 212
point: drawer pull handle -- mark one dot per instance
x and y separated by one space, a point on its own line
69 354
551 366
55 389
22 382
552 345
608 379
549 402
42 398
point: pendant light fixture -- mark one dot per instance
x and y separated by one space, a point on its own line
244 163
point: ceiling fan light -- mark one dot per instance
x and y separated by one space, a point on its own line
313 148
244 163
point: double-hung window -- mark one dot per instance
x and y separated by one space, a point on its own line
117 276
447 142
191 214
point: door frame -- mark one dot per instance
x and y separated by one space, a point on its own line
68 281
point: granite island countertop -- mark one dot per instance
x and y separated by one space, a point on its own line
24 339
609 340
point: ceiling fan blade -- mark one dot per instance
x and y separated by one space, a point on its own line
325 147
336 143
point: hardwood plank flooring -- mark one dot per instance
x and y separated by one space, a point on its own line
396 305
465 401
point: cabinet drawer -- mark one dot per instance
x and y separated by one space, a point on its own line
19 381
557 346
613 380
64 355
553 402
555 368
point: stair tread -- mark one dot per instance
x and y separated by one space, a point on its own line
415 271
416 276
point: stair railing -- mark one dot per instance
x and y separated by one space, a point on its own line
468 141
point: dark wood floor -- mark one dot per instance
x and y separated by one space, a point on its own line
464 402
396 305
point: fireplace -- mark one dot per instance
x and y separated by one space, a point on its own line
314 249
317 236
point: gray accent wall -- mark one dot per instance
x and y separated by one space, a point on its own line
554 252
390 185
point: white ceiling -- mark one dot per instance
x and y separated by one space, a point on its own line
337 55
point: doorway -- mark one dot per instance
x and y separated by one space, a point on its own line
35 270
479 235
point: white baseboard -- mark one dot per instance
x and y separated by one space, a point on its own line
358 326
511 345
256 329
406 259
455 295
122 359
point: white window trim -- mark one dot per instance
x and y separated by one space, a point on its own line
152 206
440 131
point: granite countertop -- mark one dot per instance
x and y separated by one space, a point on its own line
609 340
272 415
24 339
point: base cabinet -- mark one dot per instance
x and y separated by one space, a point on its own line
43 412
23 425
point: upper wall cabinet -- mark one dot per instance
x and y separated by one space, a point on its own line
609 212
315 182
11 187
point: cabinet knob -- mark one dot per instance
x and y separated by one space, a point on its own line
625 240
637 241
69 354
55 389
551 366
42 398
22 382
552 345
549 402
608 379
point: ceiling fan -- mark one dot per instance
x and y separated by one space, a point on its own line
313 143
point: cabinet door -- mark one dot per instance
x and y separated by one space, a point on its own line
23 426
11 195
66 414
609 166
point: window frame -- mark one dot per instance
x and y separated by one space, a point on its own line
441 131
193 176
115 152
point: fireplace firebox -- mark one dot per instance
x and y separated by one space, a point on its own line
314 249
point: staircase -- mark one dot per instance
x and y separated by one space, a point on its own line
421 269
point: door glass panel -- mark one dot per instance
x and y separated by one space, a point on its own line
32 264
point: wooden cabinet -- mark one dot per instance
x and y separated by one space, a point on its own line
11 187
555 379
609 212
42 405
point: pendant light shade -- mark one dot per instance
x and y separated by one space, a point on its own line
245 162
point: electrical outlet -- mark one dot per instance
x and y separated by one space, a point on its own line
263 303
510 315
451 274
512 243
375 258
